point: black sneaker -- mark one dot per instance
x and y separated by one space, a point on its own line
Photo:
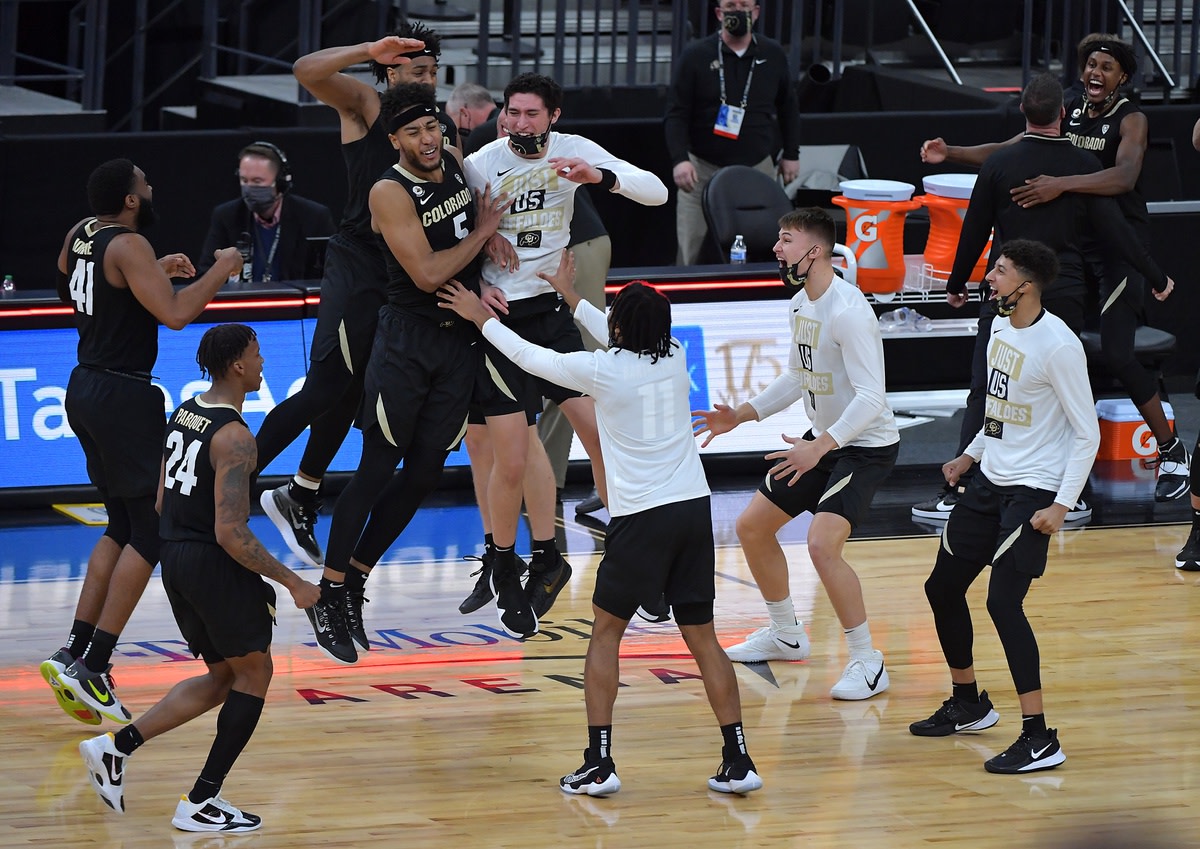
516 616
736 775
589 505
1173 471
939 506
329 627
482 593
95 690
594 778
1188 558
1029 754
956 716
542 588
655 611
296 522
352 613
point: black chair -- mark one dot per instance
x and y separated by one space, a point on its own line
1151 347
739 199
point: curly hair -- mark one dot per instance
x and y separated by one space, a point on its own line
640 321
222 346
416 29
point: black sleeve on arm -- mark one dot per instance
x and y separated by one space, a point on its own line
62 284
789 114
976 228
677 122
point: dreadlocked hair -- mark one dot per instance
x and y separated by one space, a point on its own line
410 29
222 346
640 321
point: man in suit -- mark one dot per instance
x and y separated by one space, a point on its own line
268 223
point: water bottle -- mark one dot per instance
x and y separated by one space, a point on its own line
737 253
9 285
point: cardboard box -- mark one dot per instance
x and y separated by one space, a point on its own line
1124 435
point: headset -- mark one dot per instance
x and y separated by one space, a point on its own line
283 179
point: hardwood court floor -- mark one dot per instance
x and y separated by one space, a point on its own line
450 734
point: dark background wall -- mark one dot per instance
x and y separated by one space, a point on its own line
42 178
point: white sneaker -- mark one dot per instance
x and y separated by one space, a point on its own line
106 769
1081 511
213 814
863 677
771 643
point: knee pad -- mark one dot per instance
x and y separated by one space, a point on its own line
143 535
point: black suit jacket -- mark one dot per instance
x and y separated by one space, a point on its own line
300 219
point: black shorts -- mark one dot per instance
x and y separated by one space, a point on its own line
545 321
664 550
420 380
990 524
353 290
843 482
222 608
121 423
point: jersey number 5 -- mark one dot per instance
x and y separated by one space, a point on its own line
180 467
81 286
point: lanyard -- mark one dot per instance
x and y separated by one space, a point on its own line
271 254
721 75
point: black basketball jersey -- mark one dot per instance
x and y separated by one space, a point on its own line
189 481
447 213
1101 136
115 331
365 159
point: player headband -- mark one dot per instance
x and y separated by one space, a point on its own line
416 54
409 115
1118 51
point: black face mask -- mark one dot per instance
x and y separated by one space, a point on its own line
736 24
529 144
1007 304
790 274
146 216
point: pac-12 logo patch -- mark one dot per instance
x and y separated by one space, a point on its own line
529 239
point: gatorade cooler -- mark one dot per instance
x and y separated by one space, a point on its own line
875 211
946 197
1123 433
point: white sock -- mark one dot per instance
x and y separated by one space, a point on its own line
858 640
305 483
783 613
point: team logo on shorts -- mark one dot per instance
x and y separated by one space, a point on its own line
529 239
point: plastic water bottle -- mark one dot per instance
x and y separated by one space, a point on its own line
9 285
737 253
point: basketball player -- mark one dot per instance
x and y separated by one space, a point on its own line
836 366
660 537
213 570
355 279
120 293
422 371
1035 450
1111 127
540 170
